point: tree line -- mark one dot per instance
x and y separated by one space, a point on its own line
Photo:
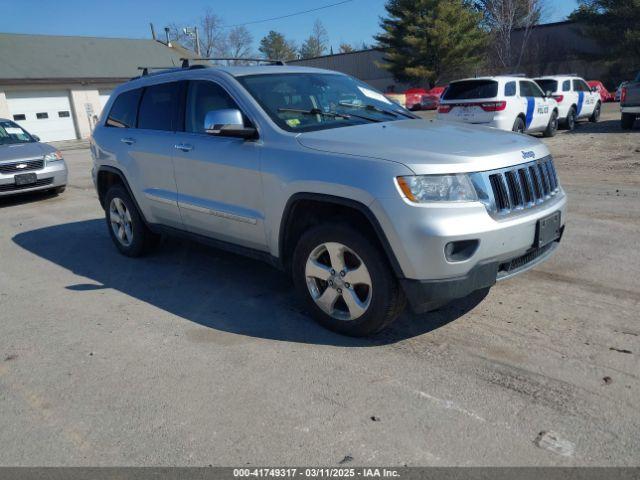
424 40
216 40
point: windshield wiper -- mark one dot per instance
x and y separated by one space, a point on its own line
377 109
317 111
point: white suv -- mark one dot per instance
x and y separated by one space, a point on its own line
576 100
506 102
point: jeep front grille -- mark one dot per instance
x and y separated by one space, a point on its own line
522 186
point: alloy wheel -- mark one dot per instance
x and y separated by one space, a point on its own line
121 223
338 281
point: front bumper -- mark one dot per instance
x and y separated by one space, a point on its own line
425 295
53 175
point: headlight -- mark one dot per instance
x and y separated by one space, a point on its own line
53 157
438 188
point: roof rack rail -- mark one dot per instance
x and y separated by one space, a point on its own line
148 70
185 61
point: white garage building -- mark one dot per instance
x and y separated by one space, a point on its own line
54 85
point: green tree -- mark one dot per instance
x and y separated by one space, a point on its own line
346 48
316 44
615 24
275 46
424 39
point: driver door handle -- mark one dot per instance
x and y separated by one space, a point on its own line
128 140
185 147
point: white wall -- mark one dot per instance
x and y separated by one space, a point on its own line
83 98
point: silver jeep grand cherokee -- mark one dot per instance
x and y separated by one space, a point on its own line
364 204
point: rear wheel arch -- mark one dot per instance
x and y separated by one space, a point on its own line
306 210
110 176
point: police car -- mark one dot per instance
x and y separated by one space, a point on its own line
576 100
511 103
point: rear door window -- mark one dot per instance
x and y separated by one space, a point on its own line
510 89
158 107
125 109
472 89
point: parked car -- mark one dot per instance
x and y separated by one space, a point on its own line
361 202
26 165
431 99
619 91
605 95
504 102
630 103
413 98
576 100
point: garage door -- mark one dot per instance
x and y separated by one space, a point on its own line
43 113
104 98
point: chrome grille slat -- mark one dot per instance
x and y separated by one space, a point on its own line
522 186
29 165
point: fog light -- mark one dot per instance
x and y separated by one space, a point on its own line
461 250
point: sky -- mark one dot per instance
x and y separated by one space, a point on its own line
353 22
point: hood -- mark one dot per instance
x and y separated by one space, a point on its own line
429 146
24 151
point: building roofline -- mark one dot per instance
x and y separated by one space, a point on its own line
340 54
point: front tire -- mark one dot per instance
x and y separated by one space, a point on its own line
345 281
595 116
552 127
125 224
628 119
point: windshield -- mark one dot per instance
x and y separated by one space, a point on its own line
12 133
548 85
471 90
304 102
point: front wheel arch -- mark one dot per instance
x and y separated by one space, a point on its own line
296 220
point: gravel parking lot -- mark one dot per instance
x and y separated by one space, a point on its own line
195 357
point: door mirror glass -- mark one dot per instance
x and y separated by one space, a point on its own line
227 123
549 94
36 138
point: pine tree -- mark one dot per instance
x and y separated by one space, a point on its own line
423 39
275 46
615 24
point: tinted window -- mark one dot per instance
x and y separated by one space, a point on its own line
125 109
203 97
20 116
472 89
42 115
548 85
510 89
566 86
530 89
580 86
158 107
64 114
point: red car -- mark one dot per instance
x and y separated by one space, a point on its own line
605 95
421 99
414 98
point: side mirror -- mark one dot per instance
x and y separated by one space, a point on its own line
594 89
228 123
36 138
548 94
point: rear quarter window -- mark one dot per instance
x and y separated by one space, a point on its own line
472 89
510 89
124 110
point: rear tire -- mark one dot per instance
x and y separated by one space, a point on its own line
519 125
368 304
552 128
595 116
125 224
628 119
570 122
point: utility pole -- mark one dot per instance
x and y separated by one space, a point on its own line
193 33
